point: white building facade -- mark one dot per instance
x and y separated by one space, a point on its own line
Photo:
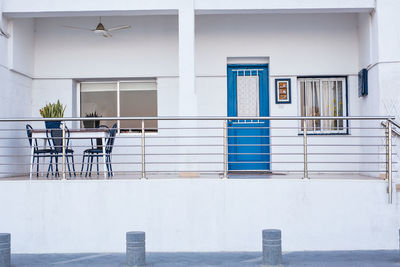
183 56
185 48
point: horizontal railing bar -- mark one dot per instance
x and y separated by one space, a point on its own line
166 172
218 145
188 118
322 171
301 136
122 134
191 136
268 172
197 162
352 145
182 145
212 154
259 127
208 162
328 154
156 130
352 172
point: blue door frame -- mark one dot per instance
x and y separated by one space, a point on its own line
248 140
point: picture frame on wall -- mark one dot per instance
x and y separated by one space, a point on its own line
283 93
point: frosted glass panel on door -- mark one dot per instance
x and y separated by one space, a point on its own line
248 96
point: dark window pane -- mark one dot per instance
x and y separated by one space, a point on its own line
100 98
138 99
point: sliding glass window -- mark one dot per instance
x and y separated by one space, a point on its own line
136 98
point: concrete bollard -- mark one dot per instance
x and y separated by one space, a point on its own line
5 250
272 247
135 249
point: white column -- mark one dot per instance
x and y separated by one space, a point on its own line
386 43
187 94
386 72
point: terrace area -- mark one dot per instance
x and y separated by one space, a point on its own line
180 181
201 148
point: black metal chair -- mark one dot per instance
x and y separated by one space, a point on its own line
37 153
91 153
56 145
99 145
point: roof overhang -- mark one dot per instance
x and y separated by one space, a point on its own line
75 8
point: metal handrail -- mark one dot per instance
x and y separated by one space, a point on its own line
395 131
392 120
305 135
220 118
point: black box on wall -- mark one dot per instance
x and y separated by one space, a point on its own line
363 83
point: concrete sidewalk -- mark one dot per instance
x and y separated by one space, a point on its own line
321 259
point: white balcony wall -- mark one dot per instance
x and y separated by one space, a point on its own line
149 49
21 57
198 215
16 96
296 44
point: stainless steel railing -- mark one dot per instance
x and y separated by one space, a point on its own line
207 145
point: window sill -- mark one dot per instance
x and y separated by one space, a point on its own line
332 133
137 133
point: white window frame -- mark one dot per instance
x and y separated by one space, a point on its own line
343 79
78 95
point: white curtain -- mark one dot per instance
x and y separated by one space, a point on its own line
325 106
309 104
247 89
322 97
332 104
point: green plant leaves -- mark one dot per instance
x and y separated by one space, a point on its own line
53 110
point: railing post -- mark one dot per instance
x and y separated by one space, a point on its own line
63 150
143 153
225 150
305 174
389 158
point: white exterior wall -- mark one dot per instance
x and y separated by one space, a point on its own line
42 62
149 49
15 88
296 44
197 215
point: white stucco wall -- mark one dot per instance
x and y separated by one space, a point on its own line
149 49
296 45
21 44
16 97
197 215
299 44
42 61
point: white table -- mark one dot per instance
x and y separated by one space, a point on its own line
102 133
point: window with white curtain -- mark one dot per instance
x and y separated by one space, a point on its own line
323 97
137 98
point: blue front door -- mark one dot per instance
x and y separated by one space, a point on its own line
248 96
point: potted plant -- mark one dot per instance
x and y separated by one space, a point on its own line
53 110
91 123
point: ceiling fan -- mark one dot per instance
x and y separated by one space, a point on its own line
100 29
